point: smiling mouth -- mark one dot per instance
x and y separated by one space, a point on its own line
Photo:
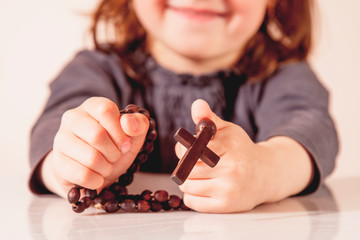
197 13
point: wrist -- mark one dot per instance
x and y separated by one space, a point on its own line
287 167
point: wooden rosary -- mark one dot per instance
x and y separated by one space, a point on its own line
116 197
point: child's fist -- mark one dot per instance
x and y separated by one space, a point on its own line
94 145
230 185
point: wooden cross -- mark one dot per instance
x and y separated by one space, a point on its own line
197 148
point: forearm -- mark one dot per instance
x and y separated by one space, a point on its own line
288 167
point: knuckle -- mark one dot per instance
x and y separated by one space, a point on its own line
96 135
68 115
106 107
89 179
93 157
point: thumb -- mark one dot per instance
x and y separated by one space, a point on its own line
135 124
200 109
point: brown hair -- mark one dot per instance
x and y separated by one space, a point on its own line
285 35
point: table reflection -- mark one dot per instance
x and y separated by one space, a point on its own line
310 217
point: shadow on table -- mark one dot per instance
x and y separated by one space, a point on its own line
310 217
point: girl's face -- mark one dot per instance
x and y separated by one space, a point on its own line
198 36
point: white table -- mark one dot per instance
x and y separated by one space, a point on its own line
331 213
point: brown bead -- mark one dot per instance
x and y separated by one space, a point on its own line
133 168
141 157
78 207
161 196
126 179
151 135
143 206
112 206
87 201
165 206
90 193
78 186
156 206
174 201
148 147
152 123
184 207
131 108
146 195
73 195
104 196
128 205
206 123
145 112
117 189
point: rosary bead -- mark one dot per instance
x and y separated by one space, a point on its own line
151 135
156 206
128 205
174 201
126 179
148 147
112 206
152 123
184 207
118 189
145 112
165 206
143 206
78 207
131 108
73 195
206 123
133 168
141 157
87 201
90 193
146 195
78 186
161 196
104 196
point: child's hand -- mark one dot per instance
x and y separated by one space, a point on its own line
247 174
93 146
235 183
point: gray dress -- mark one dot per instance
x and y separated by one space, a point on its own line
292 102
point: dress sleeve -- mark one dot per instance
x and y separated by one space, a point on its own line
87 75
294 103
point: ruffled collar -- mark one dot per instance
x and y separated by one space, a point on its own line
163 76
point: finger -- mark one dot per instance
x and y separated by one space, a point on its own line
76 173
135 125
202 171
199 187
92 132
75 148
202 204
107 114
200 110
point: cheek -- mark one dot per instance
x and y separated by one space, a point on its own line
247 16
149 13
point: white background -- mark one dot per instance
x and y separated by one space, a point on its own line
38 37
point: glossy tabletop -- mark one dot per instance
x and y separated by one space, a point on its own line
331 213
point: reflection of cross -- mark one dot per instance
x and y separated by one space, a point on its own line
196 149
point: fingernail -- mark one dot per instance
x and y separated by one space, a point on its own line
125 147
132 123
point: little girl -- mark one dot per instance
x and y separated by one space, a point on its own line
240 63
